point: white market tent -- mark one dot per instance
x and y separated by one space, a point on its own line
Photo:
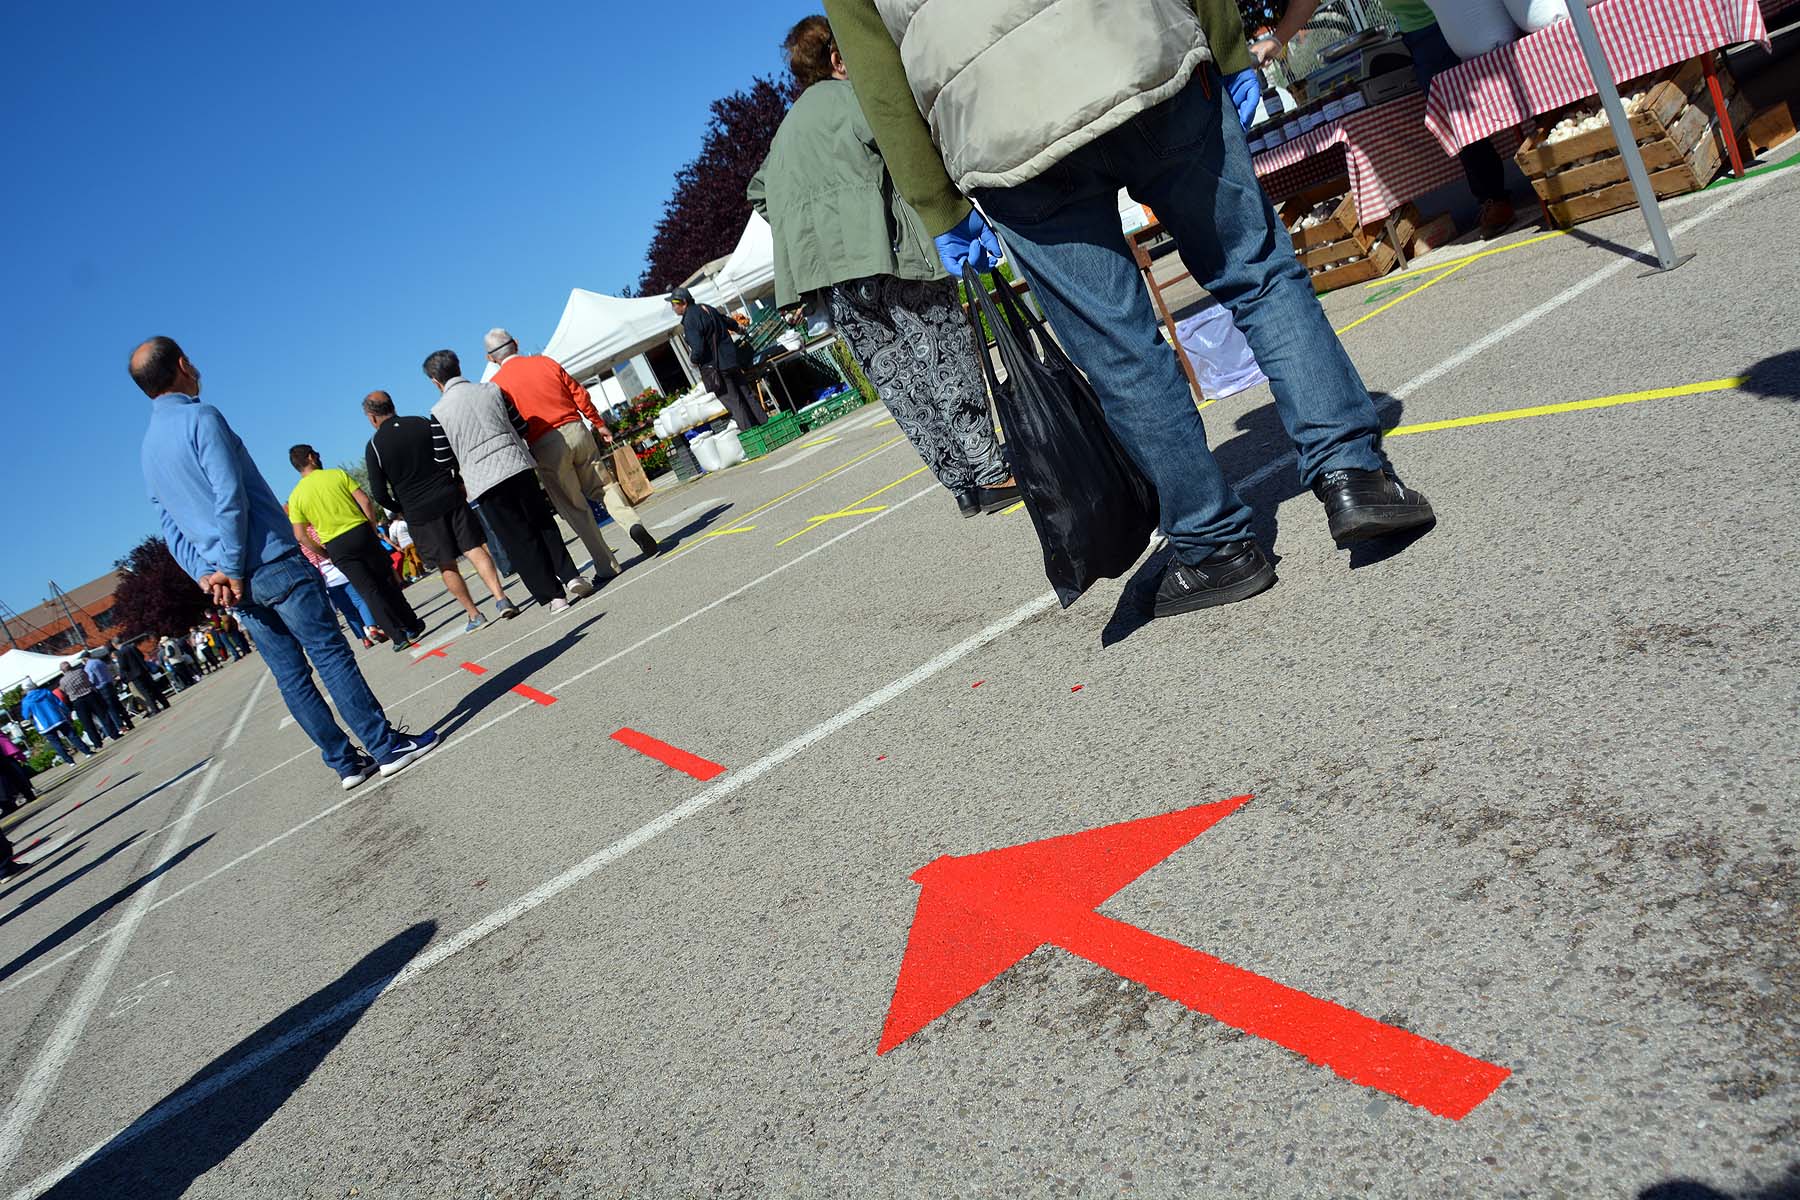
598 330
19 667
751 269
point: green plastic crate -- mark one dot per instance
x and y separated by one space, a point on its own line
776 431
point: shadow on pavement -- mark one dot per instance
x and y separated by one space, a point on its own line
123 809
1688 1189
500 682
230 1098
94 912
1618 248
1776 377
45 893
671 540
1261 440
38 869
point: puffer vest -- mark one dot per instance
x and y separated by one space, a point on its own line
488 449
1010 87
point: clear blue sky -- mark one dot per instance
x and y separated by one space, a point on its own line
311 198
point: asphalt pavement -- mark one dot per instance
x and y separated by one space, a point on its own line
1523 788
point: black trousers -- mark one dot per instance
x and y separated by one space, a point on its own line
358 554
519 514
15 784
738 396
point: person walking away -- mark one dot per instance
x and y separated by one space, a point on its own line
1124 96
15 777
844 236
99 670
400 533
204 655
56 723
1431 56
329 500
226 529
175 663
478 433
708 334
136 673
571 460
85 703
406 478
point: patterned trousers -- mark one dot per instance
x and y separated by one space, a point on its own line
913 343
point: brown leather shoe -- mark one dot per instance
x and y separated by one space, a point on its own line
1496 217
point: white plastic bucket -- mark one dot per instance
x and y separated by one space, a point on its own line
705 452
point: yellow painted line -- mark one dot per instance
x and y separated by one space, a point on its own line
852 511
879 424
824 441
724 532
1448 272
793 491
1007 512
1468 258
1206 404
1546 410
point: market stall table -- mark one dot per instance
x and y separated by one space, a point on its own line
1544 71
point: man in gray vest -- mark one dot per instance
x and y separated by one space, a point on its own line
479 433
1042 110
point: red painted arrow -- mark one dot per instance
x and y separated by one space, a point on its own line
978 914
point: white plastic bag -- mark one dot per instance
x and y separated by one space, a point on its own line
1473 27
1221 357
1533 15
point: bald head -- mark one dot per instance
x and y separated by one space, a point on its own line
378 407
159 367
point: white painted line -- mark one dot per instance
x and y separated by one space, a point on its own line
674 520
57 1049
499 919
794 459
1487 342
439 754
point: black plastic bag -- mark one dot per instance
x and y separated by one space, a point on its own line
1093 509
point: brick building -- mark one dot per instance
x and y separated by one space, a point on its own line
45 628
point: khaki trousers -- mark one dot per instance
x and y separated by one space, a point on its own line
571 465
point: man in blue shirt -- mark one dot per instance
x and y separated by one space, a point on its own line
226 529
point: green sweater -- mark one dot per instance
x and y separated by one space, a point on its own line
900 130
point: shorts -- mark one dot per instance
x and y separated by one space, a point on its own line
442 539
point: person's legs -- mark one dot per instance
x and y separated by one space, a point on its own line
484 565
555 454
145 691
115 707
292 622
459 591
913 344
744 408
95 720
1431 57
510 510
346 608
496 548
360 557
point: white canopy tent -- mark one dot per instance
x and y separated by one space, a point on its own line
750 271
20 667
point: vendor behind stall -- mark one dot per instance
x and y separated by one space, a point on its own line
709 335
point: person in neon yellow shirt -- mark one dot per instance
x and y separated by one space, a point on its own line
344 518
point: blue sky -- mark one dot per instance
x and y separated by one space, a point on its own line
311 198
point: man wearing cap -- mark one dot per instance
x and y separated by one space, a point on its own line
570 463
708 336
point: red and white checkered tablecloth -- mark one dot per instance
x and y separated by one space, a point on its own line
1543 71
1387 153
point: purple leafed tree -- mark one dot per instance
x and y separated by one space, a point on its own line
155 595
706 213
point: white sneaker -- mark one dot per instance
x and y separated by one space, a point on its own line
579 587
559 605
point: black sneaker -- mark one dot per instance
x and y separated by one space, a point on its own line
995 499
1360 505
1233 572
646 541
968 504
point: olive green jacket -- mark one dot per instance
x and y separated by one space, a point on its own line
834 212
893 114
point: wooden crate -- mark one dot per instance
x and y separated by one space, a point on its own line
1659 153
1340 226
1692 173
1380 261
1770 128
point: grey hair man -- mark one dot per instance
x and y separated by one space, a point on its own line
478 433
568 455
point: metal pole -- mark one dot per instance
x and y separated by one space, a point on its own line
1591 50
74 627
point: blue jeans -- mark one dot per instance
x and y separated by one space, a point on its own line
1185 158
355 612
291 619
64 740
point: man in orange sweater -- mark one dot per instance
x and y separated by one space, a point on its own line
572 466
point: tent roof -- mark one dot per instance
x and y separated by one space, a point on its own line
751 269
19 666
598 330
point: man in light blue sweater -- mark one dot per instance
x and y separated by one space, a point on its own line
227 530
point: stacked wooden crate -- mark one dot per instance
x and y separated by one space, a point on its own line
1577 171
1334 247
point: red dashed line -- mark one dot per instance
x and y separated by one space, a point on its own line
669 756
102 783
531 693
128 759
1078 687
978 683
473 669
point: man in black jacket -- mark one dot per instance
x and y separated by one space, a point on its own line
404 477
708 334
136 673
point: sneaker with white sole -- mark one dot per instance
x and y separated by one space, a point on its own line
410 748
559 605
475 622
359 771
506 608
579 587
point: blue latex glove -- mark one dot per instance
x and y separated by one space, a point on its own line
972 241
1245 89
